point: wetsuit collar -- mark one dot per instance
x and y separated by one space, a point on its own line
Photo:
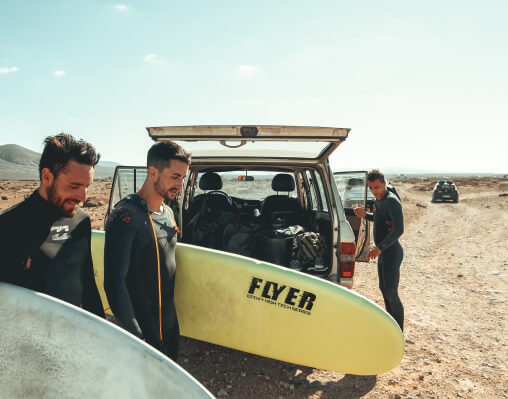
47 208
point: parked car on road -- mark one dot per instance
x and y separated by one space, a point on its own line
445 190
259 191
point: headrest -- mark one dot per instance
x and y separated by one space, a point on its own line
210 181
283 182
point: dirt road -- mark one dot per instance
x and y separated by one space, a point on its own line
454 289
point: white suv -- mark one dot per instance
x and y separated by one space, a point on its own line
266 192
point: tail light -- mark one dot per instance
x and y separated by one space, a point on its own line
347 259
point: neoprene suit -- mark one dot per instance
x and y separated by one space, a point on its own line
46 251
388 227
131 272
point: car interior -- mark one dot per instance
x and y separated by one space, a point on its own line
266 227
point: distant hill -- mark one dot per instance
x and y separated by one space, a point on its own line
20 163
19 155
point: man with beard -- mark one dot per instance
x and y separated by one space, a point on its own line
388 227
45 240
139 252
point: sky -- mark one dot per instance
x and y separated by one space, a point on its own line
422 84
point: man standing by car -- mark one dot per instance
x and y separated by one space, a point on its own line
388 227
45 240
139 252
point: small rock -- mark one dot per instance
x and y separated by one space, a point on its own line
421 205
494 272
460 275
222 393
186 360
410 340
92 203
267 377
4 197
421 377
315 383
243 374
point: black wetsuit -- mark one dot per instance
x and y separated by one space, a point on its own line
388 227
46 251
131 272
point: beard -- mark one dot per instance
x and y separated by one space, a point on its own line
67 206
167 194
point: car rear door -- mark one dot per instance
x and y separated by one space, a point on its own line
352 188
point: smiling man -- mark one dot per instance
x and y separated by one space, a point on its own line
45 240
139 252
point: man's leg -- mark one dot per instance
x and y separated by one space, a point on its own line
389 274
171 335
380 275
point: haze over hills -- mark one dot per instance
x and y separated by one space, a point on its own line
20 163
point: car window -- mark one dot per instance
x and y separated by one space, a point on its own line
257 189
355 182
321 189
127 181
312 188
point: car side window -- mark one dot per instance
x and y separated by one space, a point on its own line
320 186
313 190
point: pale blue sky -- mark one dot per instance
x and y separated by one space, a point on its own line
422 84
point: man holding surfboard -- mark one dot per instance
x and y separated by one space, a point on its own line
388 227
139 252
45 240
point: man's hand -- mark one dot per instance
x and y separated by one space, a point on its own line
360 212
374 253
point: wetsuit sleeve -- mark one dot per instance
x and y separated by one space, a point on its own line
13 249
394 210
120 235
91 298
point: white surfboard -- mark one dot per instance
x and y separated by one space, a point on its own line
51 349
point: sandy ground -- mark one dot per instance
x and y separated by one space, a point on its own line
453 286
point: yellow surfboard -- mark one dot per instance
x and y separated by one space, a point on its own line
271 311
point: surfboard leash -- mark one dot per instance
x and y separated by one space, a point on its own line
158 273
159 259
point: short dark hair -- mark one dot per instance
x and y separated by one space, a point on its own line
162 153
62 148
376 174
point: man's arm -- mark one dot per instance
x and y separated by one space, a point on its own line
362 213
91 298
120 235
394 210
14 247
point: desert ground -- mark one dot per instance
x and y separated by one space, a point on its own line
453 286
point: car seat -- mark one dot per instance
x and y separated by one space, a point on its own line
216 199
209 213
283 207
